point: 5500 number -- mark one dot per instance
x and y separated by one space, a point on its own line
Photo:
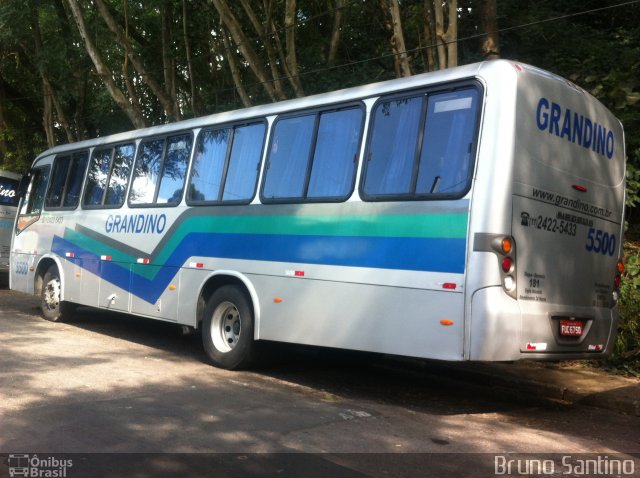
602 242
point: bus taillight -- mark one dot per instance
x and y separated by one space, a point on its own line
618 278
506 248
506 245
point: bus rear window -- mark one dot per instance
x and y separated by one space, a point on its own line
422 147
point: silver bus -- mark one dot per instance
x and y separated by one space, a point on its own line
9 198
473 213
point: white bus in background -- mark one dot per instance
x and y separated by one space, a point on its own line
9 198
473 213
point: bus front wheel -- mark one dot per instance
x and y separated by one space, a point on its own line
53 309
227 328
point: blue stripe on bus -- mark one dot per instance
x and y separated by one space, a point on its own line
400 253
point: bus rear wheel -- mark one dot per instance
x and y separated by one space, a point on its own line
53 309
227 328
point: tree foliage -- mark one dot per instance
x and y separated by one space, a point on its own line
73 69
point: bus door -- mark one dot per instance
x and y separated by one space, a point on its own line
26 244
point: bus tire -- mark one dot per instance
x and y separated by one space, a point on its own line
52 308
227 328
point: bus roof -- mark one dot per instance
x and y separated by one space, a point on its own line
475 70
358 92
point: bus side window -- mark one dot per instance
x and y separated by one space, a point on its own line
208 165
289 157
108 176
174 169
160 170
313 157
448 138
422 146
225 166
242 174
392 150
58 180
97 177
335 157
119 178
9 192
36 192
66 181
75 180
146 172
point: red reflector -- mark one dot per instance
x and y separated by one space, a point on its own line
299 273
449 285
506 264
616 282
580 188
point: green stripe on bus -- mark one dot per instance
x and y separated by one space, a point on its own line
408 225
379 225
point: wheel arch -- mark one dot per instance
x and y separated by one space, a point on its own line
44 265
226 277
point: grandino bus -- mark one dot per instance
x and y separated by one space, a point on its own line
468 214
9 198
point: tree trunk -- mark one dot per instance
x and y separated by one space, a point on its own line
429 35
290 35
192 81
235 72
336 31
398 46
133 97
447 41
490 45
452 34
51 102
168 61
103 70
3 124
271 55
171 108
47 114
243 44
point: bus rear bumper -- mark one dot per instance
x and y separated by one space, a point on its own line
503 329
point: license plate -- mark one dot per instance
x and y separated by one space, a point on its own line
571 328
